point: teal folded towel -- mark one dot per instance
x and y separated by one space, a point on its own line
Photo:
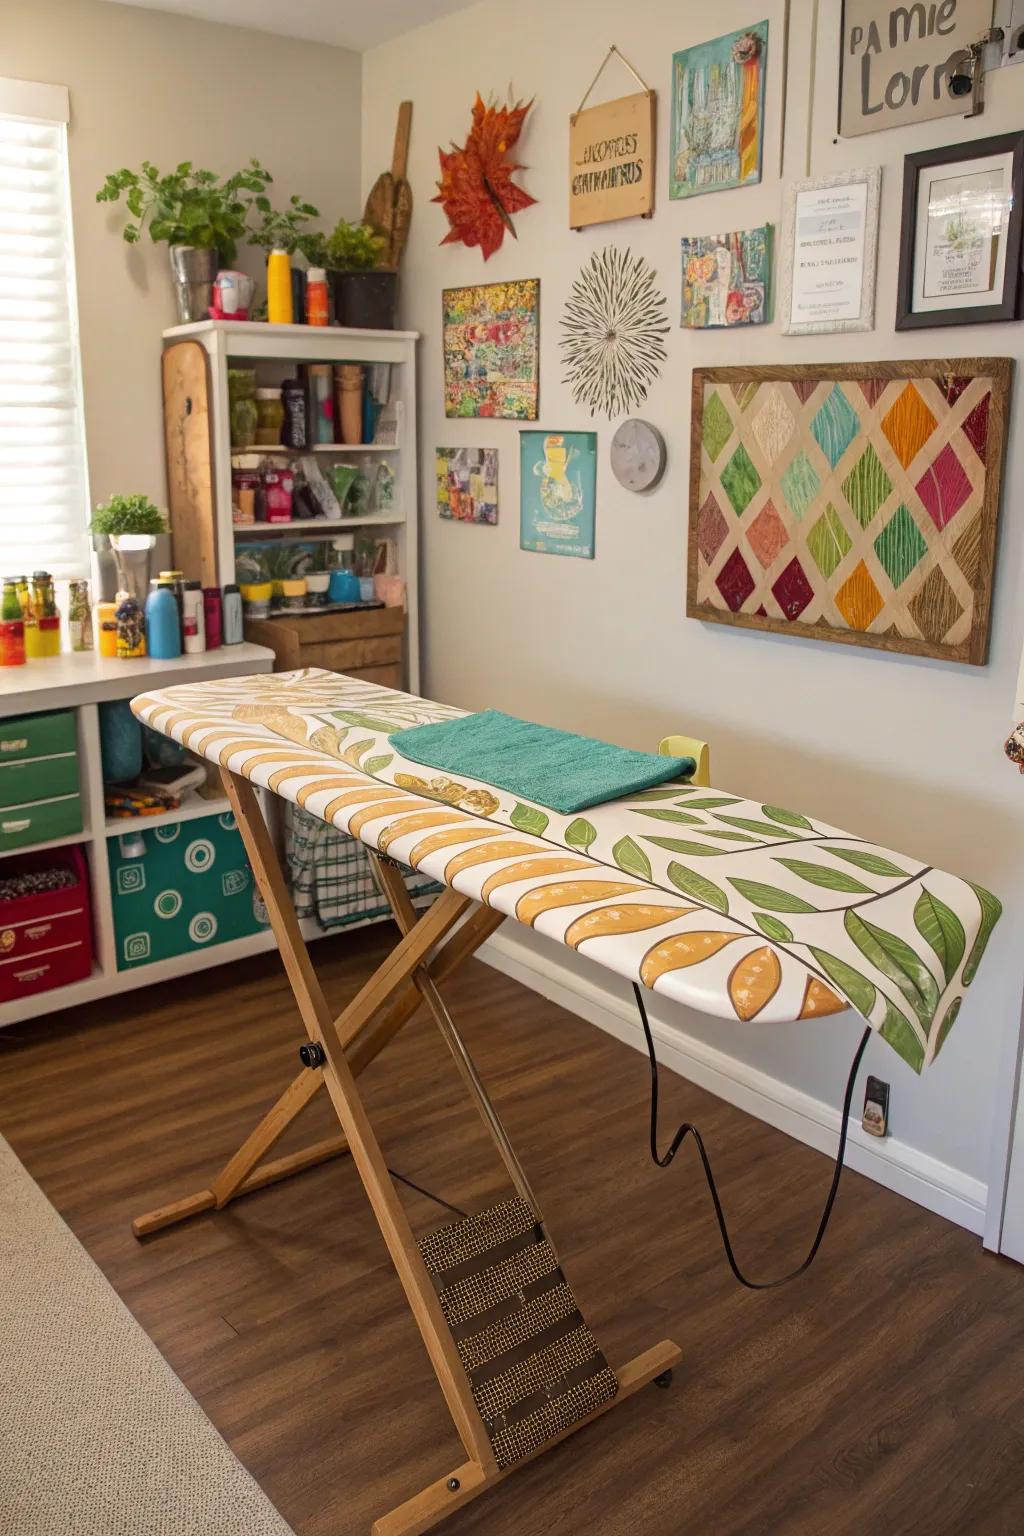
552 768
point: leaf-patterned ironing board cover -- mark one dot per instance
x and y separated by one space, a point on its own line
738 909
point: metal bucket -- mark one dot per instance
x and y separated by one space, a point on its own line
194 271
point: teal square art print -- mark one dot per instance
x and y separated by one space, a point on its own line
558 492
717 136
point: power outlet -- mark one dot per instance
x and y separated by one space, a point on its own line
875 1118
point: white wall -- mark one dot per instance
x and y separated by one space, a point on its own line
145 85
904 750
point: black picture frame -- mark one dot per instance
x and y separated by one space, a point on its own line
908 319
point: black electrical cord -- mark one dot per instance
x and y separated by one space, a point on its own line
686 1129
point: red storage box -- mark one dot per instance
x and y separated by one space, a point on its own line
46 938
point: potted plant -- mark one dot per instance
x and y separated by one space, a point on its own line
282 230
365 293
131 524
201 217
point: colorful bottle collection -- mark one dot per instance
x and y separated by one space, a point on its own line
178 616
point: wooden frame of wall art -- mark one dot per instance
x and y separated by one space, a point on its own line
829 254
852 502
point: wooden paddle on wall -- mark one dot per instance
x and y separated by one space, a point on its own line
389 205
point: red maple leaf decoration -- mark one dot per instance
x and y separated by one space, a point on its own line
476 189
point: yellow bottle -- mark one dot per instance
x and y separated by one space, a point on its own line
279 288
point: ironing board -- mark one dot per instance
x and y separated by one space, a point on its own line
742 910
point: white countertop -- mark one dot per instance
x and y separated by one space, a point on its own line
83 677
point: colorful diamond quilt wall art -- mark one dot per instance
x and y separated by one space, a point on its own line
855 503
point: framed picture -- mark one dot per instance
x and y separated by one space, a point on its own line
717 133
557 492
960 243
727 279
467 484
852 502
490 336
829 251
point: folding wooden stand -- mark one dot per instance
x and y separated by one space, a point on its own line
517 1364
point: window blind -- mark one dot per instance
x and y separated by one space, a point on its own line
44 495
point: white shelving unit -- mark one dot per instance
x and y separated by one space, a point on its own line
275 351
83 682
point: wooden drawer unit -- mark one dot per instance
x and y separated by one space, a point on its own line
366 644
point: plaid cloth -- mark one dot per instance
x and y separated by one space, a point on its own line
331 876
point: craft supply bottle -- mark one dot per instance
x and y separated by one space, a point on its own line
212 617
79 616
106 629
298 295
163 631
316 296
293 431
194 628
42 624
12 626
279 288
232 607
131 627
176 581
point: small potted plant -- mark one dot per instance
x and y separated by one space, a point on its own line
131 524
201 218
365 293
282 229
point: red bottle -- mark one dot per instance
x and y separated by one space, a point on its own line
212 617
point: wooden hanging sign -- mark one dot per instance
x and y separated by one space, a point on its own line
611 158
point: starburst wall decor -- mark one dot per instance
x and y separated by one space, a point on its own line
613 323
476 189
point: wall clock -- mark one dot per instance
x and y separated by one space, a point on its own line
638 455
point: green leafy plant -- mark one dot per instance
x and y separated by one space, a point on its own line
128 514
187 206
283 229
349 248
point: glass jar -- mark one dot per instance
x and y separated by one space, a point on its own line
269 418
242 402
79 616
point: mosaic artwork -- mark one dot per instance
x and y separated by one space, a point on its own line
490 340
612 329
467 484
856 502
718 113
726 278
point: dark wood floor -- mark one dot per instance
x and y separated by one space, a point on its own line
885 1392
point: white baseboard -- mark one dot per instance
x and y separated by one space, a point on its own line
899 1167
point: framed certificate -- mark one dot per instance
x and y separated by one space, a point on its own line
829 244
960 245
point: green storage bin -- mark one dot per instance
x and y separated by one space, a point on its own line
190 889
38 778
37 736
39 821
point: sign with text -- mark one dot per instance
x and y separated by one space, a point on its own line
897 60
611 161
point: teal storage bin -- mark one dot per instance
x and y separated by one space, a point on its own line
191 889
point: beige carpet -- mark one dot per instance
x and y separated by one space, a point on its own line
98 1437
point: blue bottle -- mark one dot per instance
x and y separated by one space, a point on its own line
163 627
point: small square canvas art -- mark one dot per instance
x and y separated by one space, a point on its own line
718 113
490 340
467 484
726 278
557 492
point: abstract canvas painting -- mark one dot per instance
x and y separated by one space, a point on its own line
490 340
612 330
557 492
467 484
854 502
726 278
718 113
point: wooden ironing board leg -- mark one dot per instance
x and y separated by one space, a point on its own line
244 1173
